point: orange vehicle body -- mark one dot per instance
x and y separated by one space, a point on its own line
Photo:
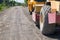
32 3
46 25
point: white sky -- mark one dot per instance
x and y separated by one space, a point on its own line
22 1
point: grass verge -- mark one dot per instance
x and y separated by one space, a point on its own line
2 7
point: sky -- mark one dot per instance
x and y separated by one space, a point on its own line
22 1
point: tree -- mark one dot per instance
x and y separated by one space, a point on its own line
25 2
6 2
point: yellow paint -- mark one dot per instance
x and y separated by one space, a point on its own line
32 3
55 5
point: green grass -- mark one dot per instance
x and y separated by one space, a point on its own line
2 7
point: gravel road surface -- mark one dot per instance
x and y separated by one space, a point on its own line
16 24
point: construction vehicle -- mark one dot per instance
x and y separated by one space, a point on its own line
49 20
32 3
35 5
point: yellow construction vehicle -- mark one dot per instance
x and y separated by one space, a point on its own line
50 17
33 3
46 13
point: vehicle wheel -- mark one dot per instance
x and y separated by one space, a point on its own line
37 24
30 13
38 20
45 27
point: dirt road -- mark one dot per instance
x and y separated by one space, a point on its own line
16 24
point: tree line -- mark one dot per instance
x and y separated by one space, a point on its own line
9 2
12 2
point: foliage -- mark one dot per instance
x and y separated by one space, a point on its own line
9 3
25 2
2 6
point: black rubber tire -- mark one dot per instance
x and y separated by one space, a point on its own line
37 24
45 27
30 13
